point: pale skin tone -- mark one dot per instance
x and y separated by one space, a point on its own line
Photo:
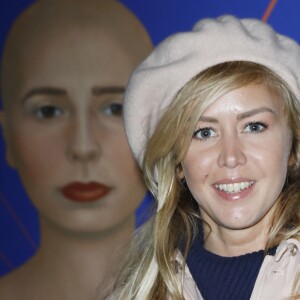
242 139
63 123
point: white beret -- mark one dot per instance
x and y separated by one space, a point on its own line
182 56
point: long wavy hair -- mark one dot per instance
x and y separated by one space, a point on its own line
151 272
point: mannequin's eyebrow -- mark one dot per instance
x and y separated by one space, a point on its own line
50 91
54 91
101 90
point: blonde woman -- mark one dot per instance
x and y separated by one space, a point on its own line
218 140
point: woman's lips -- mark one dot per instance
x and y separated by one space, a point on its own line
85 192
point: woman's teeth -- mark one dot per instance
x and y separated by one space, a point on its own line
234 187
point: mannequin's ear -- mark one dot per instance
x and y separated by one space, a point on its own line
3 123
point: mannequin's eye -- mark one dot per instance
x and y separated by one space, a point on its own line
113 109
48 112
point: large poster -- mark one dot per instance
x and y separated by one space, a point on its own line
19 231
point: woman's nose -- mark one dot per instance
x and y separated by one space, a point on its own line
83 145
231 153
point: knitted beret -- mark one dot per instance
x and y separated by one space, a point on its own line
182 56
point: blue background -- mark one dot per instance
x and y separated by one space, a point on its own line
19 231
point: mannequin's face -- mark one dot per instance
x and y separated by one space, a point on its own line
65 134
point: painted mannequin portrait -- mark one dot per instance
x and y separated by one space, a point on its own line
64 72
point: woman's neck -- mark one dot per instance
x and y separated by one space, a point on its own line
232 242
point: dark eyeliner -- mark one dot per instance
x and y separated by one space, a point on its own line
264 125
200 129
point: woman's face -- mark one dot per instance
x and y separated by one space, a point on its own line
237 162
65 134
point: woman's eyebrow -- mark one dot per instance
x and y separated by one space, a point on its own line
51 91
100 90
240 116
208 119
255 111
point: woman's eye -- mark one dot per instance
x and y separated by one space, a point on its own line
255 127
204 133
114 109
48 112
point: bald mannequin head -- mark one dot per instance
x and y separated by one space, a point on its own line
41 27
65 68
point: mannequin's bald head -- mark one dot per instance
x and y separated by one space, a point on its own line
76 23
65 68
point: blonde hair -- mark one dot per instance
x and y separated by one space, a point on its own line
154 274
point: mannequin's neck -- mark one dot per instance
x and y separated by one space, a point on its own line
86 259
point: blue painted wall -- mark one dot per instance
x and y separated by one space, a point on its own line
19 233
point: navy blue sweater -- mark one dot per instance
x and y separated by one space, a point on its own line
224 278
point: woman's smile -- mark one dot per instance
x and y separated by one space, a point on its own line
237 161
234 189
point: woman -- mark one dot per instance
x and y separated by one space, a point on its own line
219 143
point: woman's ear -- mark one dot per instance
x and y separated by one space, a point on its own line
180 172
293 156
291 160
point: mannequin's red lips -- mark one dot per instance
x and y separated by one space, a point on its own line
85 192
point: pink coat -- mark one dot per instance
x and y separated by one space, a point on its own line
275 280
